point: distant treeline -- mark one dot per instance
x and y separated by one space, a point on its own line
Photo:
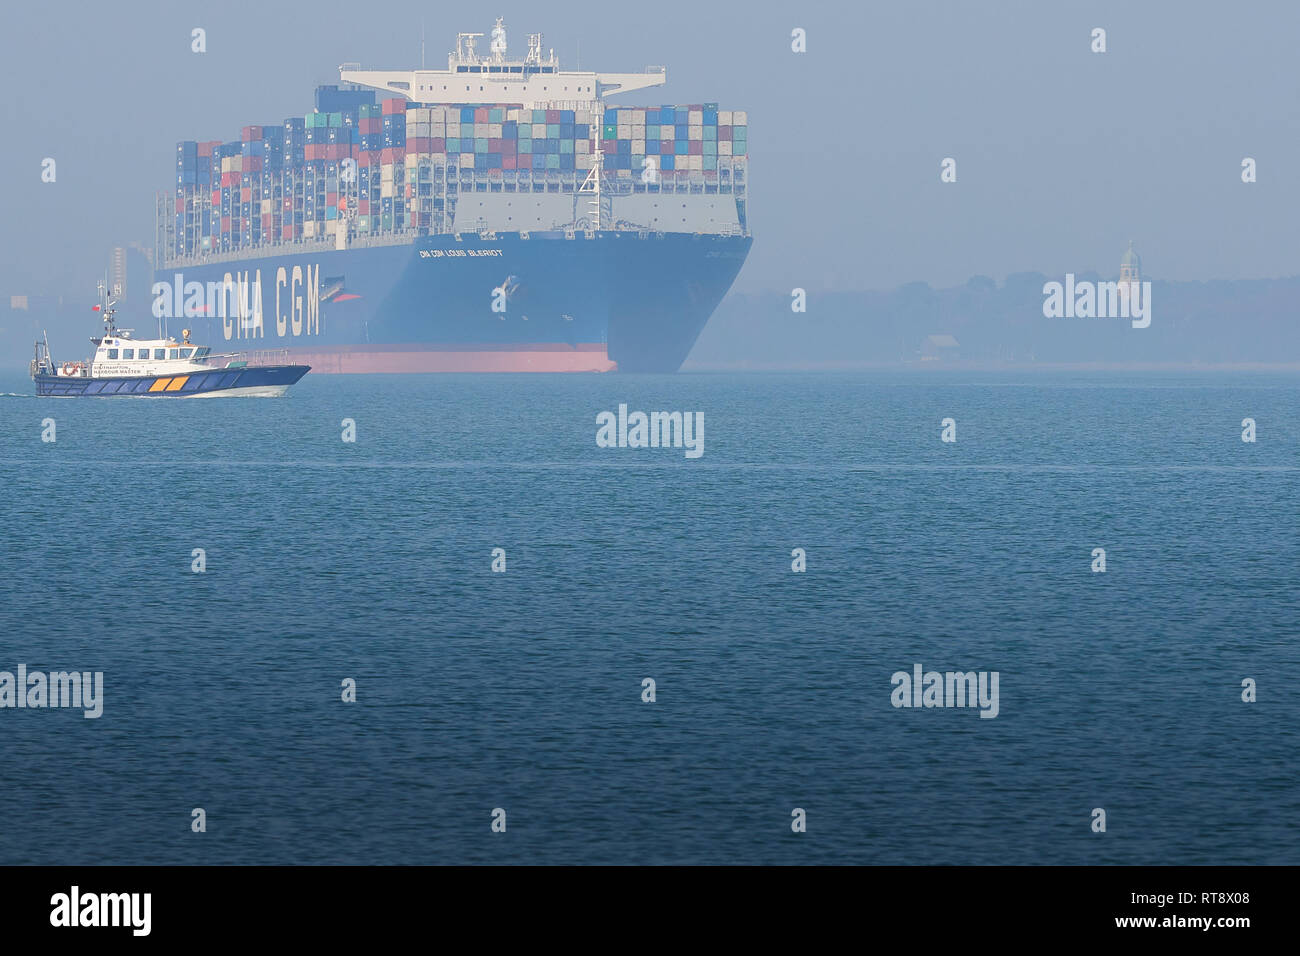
1216 322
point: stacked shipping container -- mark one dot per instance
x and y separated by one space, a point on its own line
293 182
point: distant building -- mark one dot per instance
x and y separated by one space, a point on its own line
1130 271
939 346
17 302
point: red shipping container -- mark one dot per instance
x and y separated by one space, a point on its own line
216 197
366 158
696 147
724 134
331 198
287 232
251 133
494 145
508 147
393 106
666 147
256 162
608 146
437 145
205 149
229 179
390 156
266 222
363 207
225 223
180 204
508 161
245 194
370 125
552 116
481 114
343 202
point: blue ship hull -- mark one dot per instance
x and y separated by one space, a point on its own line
504 302
218 382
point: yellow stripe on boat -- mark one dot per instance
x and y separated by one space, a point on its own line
159 385
177 383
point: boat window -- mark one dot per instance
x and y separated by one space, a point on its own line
202 352
186 353
128 353
159 353
112 353
173 353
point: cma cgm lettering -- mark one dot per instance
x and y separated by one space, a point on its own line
237 301
445 236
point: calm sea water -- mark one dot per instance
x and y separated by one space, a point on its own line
522 690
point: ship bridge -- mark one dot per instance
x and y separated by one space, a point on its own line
495 78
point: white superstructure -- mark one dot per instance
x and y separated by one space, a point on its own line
495 78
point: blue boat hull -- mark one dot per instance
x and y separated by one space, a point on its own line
503 302
251 380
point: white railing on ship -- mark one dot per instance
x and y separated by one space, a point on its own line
253 358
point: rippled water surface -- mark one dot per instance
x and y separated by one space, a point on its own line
371 560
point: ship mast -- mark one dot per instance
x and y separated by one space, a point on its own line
591 185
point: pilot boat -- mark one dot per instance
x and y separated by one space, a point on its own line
161 368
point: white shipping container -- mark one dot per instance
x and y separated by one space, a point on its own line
695 132
582 146
480 130
331 226
539 131
724 117
624 129
309 228
638 132
667 132
638 117
582 160
466 160
724 147
623 117
386 190
453 130
494 130
695 117
695 162
739 118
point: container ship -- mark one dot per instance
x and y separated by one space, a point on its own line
496 216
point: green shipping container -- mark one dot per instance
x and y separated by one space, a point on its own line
611 131
539 116
553 161
335 119
552 130
481 145
496 116
363 223
738 133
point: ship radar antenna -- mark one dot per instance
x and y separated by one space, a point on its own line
498 46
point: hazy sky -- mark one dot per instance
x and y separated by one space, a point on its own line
1062 154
